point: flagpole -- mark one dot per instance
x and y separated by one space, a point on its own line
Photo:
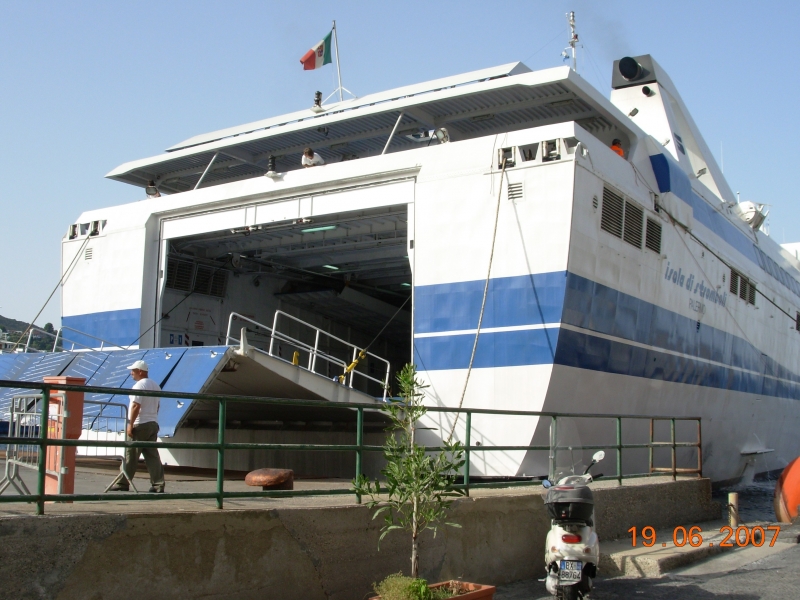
338 70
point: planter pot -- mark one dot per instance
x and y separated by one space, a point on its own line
474 591
469 591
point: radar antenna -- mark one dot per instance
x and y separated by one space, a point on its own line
573 39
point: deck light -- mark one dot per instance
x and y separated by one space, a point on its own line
406 284
442 135
317 107
315 229
271 172
702 171
634 112
331 267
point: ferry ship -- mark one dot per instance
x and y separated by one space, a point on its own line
481 226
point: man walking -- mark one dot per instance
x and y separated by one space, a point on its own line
142 427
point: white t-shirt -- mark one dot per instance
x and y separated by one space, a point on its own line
317 160
148 405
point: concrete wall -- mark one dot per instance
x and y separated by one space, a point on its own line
303 553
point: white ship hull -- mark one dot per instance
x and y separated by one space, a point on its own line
623 285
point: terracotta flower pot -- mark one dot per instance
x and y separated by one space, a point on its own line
469 591
474 591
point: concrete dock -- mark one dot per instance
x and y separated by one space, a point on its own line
317 547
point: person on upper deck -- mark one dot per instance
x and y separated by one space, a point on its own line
616 146
311 158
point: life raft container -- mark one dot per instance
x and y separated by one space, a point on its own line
787 493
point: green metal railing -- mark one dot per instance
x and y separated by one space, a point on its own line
221 446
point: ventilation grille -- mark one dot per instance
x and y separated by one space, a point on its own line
186 276
652 239
632 222
611 215
88 253
211 281
180 274
515 191
742 287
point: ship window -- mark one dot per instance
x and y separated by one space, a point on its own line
550 150
611 214
515 191
529 152
632 225
652 239
797 322
507 155
84 228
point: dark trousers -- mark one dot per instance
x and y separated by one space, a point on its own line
146 432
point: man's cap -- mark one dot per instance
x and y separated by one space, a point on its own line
139 364
616 142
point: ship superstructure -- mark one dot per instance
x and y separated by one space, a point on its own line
623 284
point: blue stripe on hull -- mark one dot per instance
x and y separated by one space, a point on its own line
120 327
574 300
671 178
584 351
523 300
496 349
599 308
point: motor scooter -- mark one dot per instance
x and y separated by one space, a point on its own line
572 550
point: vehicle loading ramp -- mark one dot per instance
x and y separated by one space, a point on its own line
223 370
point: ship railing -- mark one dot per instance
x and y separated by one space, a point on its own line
317 359
25 423
60 341
32 435
110 424
26 426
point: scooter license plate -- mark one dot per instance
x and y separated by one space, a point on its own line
570 570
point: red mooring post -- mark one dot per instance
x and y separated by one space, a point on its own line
65 423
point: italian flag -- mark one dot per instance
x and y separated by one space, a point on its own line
319 55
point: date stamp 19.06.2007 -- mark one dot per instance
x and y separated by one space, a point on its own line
727 537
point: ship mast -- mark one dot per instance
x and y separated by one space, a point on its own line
573 38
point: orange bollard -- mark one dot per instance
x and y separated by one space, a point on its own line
61 458
787 493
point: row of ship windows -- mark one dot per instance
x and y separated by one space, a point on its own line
82 229
625 220
771 267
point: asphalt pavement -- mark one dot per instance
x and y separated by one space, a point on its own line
742 574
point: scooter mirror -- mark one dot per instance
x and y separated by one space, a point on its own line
546 484
598 456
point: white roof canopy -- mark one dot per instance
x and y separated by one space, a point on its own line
504 98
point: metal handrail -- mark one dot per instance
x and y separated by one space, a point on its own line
358 448
356 350
57 335
314 352
104 344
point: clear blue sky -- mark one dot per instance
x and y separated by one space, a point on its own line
87 86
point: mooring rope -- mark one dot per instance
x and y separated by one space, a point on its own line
483 302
